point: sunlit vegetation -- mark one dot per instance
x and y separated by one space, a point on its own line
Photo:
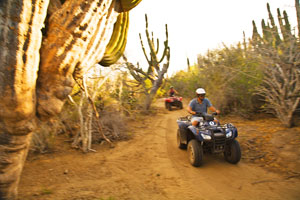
258 75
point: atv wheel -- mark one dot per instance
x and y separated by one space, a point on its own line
180 105
232 152
169 106
195 152
179 144
166 105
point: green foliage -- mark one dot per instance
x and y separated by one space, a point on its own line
230 78
126 94
186 82
237 77
228 75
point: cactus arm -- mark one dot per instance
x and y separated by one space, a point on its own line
270 15
274 29
144 49
150 43
166 45
286 22
137 73
157 42
157 45
117 43
129 4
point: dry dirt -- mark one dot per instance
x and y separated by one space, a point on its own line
150 166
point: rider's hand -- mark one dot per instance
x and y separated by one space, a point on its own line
217 111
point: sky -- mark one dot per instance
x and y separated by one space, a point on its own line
196 26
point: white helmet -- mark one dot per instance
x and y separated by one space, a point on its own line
200 91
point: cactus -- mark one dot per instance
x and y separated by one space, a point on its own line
280 58
155 72
37 73
286 27
154 61
297 5
129 4
273 28
255 35
117 43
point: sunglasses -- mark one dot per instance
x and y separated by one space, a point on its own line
201 95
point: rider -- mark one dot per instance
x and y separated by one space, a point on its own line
200 105
172 91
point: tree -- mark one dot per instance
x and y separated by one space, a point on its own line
37 71
155 72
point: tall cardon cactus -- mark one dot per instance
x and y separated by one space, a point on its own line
157 66
37 70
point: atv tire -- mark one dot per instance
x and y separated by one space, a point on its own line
179 144
166 105
169 107
180 105
232 152
195 152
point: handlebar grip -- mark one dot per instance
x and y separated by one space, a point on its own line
199 114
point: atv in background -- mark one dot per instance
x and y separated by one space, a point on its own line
173 101
208 137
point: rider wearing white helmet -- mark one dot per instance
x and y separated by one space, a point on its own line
200 105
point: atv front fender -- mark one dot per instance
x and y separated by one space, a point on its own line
193 129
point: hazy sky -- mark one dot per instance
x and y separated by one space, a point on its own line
197 25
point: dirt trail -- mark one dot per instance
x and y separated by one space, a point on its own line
147 167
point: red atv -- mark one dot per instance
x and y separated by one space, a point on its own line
173 101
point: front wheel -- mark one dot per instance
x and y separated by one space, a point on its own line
169 107
232 152
195 152
180 105
179 144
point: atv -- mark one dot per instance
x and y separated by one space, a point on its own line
173 101
208 137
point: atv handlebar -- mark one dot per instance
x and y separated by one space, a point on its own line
200 114
214 113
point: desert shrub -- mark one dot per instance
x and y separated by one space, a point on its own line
229 76
78 113
43 140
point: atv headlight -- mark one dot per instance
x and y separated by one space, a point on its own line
206 137
229 134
